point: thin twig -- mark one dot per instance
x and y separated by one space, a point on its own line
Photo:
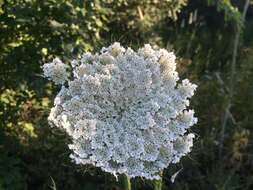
232 80
140 12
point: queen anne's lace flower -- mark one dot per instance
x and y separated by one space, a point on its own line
56 71
124 110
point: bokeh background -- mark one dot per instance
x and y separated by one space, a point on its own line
200 32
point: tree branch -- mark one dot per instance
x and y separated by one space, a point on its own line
232 79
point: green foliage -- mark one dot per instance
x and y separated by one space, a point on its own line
205 33
137 21
11 172
231 13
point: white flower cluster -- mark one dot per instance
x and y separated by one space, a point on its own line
124 110
56 71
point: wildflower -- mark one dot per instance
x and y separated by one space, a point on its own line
125 110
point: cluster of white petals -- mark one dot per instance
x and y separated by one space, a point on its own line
56 71
124 110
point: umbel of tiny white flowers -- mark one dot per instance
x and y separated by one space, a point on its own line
124 110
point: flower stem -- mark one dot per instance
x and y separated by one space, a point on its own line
159 183
126 182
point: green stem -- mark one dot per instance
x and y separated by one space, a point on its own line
126 182
159 183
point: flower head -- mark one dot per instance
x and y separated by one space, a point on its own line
124 110
56 71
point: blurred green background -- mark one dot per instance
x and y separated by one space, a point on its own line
200 32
